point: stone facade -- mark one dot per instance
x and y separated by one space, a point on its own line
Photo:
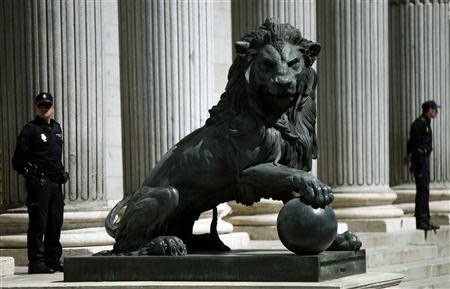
419 70
70 49
167 77
380 59
353 104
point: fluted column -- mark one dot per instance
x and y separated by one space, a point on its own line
70 49
247 15
167 78
353 107
420 70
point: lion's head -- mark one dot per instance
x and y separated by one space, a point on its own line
272 78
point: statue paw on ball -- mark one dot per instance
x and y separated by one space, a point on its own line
305 230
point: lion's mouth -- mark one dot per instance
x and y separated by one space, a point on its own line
285 98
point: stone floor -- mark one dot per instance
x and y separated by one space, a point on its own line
21 280
390 256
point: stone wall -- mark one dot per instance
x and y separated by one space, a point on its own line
70 49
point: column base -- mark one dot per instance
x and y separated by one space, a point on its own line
362 196
406 193
381 225
16 221
439 201
203 224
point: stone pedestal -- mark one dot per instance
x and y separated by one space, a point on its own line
353 106
233 266
419 70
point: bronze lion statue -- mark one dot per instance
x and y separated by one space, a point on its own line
258 142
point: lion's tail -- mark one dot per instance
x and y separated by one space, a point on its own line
110 224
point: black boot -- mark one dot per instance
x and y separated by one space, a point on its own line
56 266
434 227
40 268
426 226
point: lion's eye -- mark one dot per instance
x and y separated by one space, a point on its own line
268 63
293 62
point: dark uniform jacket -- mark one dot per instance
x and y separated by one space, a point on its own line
420 142
39 149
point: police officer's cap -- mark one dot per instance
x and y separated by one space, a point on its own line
430 104
43 97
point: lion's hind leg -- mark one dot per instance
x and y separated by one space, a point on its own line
146 217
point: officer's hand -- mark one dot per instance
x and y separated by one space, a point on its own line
405 161
30 170
64 178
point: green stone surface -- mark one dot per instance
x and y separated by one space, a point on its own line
241 265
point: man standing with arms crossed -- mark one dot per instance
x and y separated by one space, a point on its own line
38 157
419 148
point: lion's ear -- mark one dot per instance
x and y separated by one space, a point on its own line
311 50
241 47
314 48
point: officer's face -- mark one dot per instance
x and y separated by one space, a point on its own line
44 110
433 112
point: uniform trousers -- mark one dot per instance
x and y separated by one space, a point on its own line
421 169
45 204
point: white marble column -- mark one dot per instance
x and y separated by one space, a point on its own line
419 71
247 15
260 219
167 78
70 49
353 108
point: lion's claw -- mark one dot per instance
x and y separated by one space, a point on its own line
164 245
314 192
347 241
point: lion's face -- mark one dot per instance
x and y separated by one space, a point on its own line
275 78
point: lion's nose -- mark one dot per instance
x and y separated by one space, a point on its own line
283 81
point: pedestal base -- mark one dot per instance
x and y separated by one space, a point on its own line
243 265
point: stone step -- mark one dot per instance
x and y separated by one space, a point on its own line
232 240
368 280
418 270
17 222
391 255
21 259
439 282
376 240
96 236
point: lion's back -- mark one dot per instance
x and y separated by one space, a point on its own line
201 160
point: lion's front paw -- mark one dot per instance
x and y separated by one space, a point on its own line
313 192
347 241
164 245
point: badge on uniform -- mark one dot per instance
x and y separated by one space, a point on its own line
43 137
427 129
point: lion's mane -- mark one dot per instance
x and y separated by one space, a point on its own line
297 125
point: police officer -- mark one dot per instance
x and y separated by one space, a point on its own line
38 157
419 148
